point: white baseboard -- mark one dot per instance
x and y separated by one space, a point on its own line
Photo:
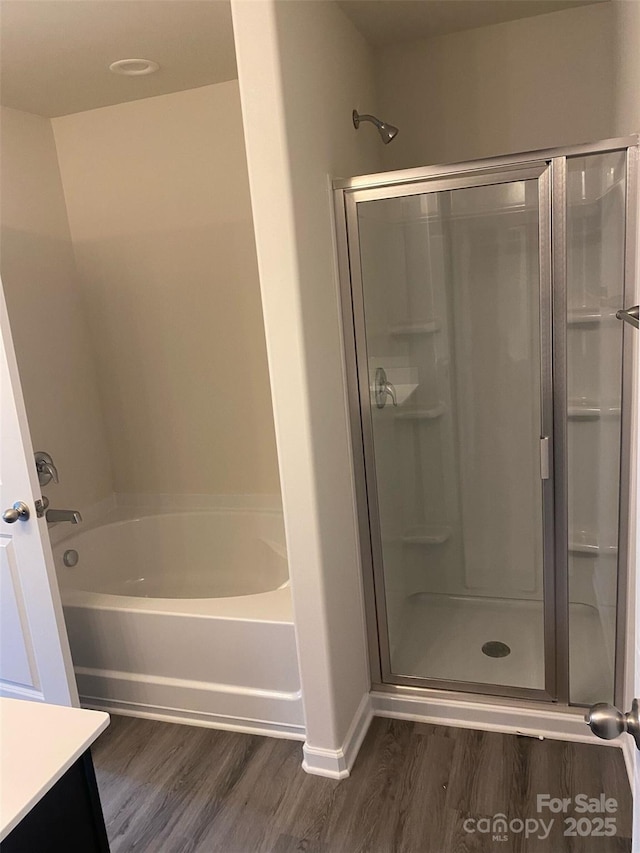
566 724
337 763
630 754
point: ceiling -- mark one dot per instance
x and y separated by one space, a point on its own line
384 22
55 54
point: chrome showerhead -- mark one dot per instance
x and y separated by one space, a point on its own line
387 131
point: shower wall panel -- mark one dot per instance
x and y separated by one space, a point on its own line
383 257
496 360
595 287
439 273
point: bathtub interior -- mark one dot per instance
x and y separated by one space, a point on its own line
154 553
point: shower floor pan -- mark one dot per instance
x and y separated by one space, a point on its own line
442 637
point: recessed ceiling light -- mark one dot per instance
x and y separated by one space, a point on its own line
134 67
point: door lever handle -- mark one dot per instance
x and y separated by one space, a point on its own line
630 315
390 391
545 462
46 468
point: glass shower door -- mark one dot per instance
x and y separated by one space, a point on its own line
451 284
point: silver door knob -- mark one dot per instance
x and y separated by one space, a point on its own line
18 512
608 723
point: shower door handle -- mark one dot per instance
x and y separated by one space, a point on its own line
630 315
545 460
383 389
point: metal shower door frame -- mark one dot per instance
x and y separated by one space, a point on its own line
538 171
551 174
628 397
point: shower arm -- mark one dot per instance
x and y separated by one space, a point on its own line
358 117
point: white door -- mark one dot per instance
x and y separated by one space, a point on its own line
35 661
633 645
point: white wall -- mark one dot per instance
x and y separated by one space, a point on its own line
627 115
532 83
52 341
302 69
158 201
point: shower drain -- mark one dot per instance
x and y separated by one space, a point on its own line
496 649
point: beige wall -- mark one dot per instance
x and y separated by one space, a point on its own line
303 68
532 83
158 202
626 92
52 342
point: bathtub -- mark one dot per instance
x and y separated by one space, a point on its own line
183 616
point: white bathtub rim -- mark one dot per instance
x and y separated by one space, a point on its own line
120 515
274 606
133 507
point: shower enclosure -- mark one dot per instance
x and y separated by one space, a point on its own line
488 410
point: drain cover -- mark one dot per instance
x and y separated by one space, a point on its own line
70 558
496 649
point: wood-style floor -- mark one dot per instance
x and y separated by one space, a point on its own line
176 789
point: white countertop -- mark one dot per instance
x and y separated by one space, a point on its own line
38 744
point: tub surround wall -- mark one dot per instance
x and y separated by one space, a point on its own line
51 337
159 211
262 503
303 68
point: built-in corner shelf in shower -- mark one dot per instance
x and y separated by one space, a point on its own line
584 542
588 316
426 414
426 328
590 410
426 535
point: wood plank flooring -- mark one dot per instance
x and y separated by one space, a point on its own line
177 789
